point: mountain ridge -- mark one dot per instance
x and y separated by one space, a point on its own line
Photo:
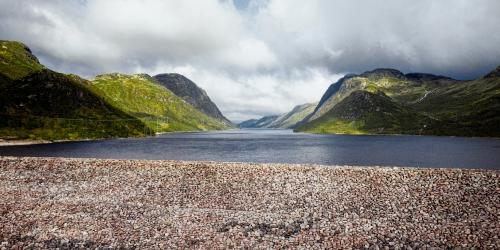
448 106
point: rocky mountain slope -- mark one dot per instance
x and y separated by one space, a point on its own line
386 101
143 97
38 103
191 93
284 121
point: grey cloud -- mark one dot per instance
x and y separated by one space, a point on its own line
458 38
258 57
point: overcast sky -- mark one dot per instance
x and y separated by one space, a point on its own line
258 57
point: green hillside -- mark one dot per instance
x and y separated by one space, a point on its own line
37 103
143 97
426 104
471 108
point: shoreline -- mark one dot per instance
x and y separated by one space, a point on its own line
68 202
22 142
6 142
37 142
16 142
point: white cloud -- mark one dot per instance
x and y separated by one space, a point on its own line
263 58
248 55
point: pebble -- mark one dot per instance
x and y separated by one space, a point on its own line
89 203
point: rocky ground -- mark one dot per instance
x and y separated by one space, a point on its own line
83 203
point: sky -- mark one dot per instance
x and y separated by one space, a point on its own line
258 57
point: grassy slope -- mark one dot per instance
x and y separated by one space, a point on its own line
37 103
141 96
448 107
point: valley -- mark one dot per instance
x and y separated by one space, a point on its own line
40 104
386 101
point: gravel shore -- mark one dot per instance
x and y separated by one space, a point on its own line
87 203
22 142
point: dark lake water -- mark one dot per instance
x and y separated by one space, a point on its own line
284 146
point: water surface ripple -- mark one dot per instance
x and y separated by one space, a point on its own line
284 146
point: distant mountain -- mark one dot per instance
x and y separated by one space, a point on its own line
248 123
286 120
145 98
386 101
263 122
297 114
191 93
38 103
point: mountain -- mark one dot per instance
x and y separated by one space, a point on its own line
191 93
297 114
38 103
386 101
390 81
142 96
284 121
363 111
263 122
248 123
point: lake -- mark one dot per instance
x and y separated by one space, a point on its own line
284 146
